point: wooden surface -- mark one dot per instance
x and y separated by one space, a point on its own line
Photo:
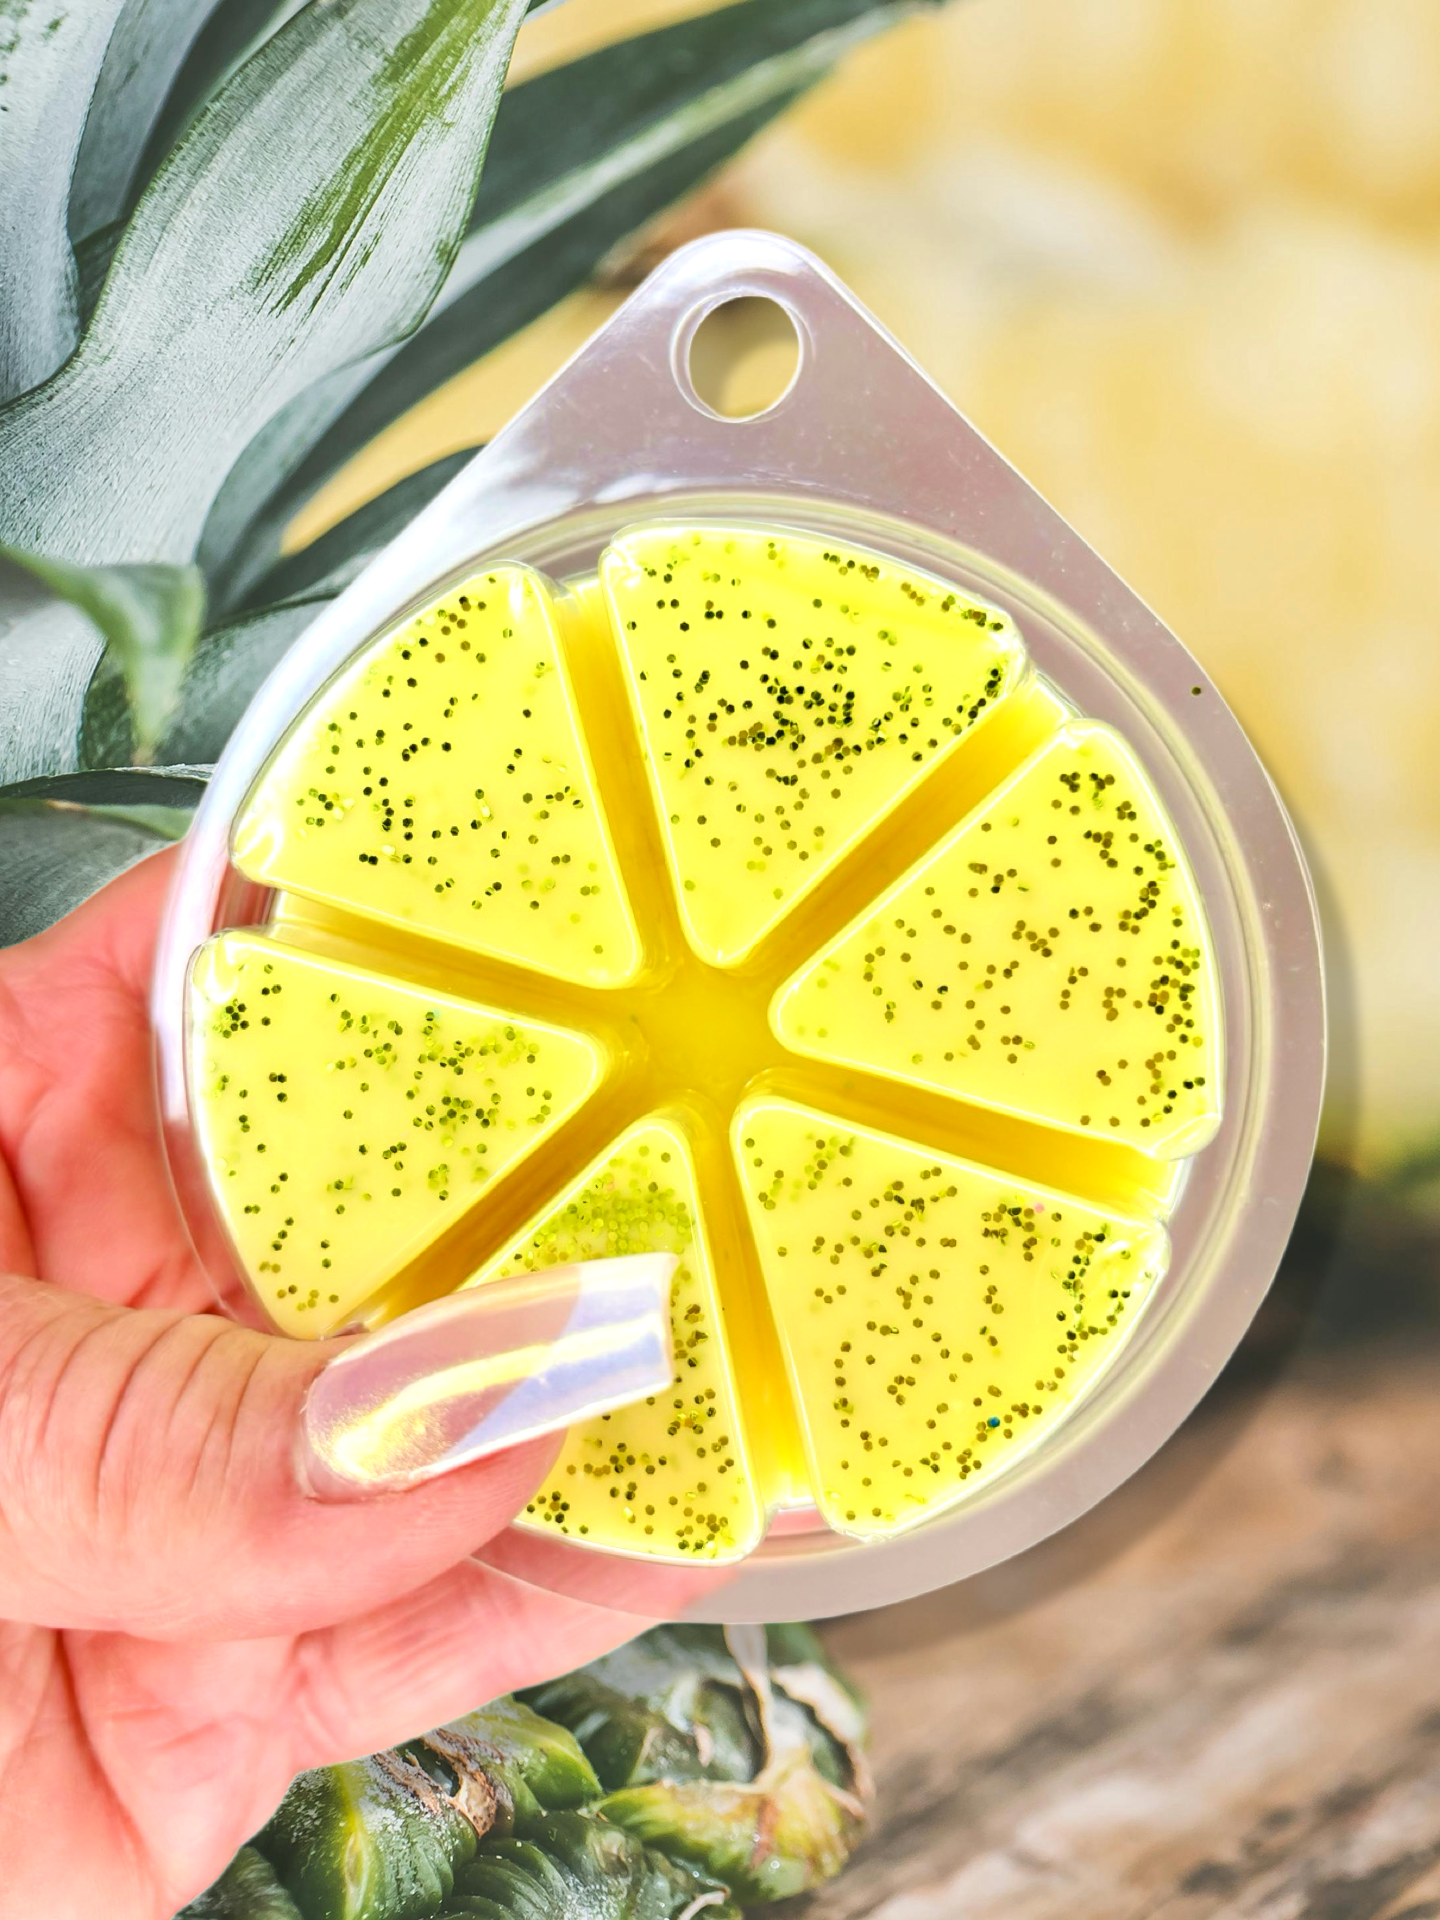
1217 1694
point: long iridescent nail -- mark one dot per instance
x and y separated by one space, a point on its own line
485 1369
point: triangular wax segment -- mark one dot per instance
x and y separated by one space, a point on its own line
1049 956
441 782
669 1475
791 690
936 1317
346 1119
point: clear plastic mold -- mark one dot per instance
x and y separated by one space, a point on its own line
774 819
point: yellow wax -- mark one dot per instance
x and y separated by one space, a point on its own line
671 1476
347 1119
935 1319
441 783
790 693
1049 956
900 1027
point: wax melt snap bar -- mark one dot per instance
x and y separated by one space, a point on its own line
704 905
781 847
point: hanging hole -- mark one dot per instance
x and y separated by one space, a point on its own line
744 356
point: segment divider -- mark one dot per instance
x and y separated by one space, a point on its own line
949 791
593 660
499 1211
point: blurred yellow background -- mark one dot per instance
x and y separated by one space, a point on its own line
1180 260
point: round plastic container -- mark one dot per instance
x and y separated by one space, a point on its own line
862 447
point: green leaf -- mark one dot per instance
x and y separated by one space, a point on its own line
332 561
227 668
817 1696
51 54
582 156
145 53
61 840
508 300
93 254
130 790
149 617
247 1890
233 659
274 244
235 30
370 1840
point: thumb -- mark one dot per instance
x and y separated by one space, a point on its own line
174 1475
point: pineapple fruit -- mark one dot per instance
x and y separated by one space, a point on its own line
678 1775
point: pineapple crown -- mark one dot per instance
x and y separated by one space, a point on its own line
238 239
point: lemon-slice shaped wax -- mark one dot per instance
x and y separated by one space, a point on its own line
790 692
668 1477
347 1119
1049 956
936 1317
913 1140
442 783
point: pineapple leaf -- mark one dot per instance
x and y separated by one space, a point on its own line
582 156
506 301
233 659
227 668
672 1705
506 1767
135 791
149 618
274 243
93 254
832 1713
533 1749
234 30
62 839
778 1814
146 50
51 57
332 560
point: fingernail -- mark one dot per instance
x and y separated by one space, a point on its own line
485 1369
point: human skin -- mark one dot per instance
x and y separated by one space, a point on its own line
182 1628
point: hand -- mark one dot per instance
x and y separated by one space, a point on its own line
182 1628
